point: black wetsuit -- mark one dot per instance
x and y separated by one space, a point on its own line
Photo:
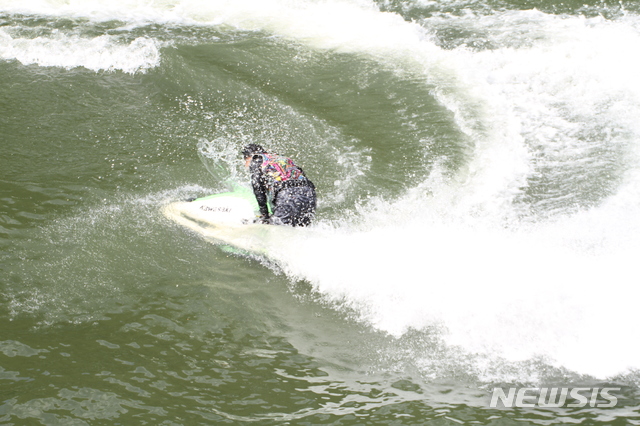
293 201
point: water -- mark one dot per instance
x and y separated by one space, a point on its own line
478 171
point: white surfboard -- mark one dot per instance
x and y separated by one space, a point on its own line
228 218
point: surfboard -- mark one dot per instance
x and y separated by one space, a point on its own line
227 218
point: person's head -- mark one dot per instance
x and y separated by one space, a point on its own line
250 150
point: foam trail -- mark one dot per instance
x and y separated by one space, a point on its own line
514 295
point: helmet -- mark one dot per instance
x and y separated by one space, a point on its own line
251 150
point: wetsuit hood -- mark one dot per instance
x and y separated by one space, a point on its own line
252 149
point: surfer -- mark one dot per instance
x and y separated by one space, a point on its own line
277 180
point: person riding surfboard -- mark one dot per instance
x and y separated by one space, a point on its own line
278 181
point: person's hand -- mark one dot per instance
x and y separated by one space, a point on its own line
261 220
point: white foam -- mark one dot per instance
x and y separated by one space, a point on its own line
102 53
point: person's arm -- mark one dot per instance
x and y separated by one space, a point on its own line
259 188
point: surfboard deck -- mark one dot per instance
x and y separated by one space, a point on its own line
227 218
